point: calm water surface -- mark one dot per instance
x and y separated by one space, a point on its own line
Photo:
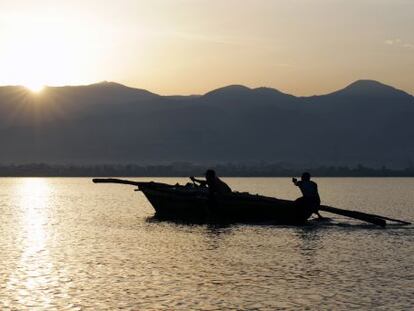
68 244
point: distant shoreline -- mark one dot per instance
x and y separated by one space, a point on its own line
187 169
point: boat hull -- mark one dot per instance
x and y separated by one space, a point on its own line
189 203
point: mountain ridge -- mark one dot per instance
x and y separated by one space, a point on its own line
368 88
353 86
112 123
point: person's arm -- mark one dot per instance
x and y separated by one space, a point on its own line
295 181
200 181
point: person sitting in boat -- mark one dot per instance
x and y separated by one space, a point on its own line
309 191
214 184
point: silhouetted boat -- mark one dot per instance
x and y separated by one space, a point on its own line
193 203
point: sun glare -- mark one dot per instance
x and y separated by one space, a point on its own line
34 87
41 50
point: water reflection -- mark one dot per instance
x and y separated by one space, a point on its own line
69 245
34 198
31 278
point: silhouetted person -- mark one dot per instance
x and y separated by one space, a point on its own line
215 185
309 191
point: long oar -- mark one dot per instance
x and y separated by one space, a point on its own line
354 214
360 215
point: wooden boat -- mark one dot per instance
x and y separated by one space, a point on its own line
193 203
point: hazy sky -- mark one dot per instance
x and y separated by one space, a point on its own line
191 46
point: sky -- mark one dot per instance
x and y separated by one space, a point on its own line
301 47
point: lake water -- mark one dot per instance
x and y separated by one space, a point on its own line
69 244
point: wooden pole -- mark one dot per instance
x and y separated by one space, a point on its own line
117 181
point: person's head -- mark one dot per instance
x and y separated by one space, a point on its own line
306 176
210 174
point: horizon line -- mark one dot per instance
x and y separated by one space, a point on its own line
212 90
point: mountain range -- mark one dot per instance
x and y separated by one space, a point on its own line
366 123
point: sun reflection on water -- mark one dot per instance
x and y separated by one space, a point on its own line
34 195
32 276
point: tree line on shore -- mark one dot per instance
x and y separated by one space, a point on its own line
188 169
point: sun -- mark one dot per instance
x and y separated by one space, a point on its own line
35 87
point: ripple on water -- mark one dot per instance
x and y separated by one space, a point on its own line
68 244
